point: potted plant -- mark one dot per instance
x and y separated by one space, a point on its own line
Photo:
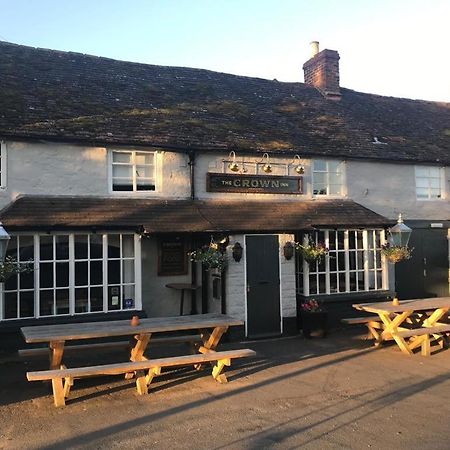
312 252
396 253
210 256
314 319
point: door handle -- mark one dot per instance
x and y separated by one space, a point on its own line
248 287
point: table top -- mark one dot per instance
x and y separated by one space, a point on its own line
180 286
87 330
418 304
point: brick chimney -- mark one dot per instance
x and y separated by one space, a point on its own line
322 71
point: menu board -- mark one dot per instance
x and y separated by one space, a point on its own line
172 256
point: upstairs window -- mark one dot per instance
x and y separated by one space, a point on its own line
133 171
429 183
326 177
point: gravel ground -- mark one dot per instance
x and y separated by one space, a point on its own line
331 393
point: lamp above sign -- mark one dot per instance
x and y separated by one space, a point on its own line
258 184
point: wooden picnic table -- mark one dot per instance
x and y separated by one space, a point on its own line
411 323
211 328
57 335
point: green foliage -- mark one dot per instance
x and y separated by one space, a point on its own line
210 256
10 267
396 253
311 252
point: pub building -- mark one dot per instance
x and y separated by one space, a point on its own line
113 172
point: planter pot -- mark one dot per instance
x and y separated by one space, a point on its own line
314 323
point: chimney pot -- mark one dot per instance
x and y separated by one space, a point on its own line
314 48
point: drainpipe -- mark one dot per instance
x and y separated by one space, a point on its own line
191 164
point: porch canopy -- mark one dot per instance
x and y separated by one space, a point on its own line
47 213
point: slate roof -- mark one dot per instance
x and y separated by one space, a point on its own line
179 216
80 98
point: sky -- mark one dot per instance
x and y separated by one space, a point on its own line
388 47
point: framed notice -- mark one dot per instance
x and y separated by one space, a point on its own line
172 256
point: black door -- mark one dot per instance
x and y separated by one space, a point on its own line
426 273
263 286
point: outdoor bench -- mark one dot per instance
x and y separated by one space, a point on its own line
62 379
191 338
438 331
373 323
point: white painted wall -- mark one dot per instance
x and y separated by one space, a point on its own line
62 169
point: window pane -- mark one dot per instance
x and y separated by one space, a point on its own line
113 246
319 179
96 246
26 250
335 189
145 185
122 172
319 189
10 311
46 275
46 302
144 158
81 300
96 272
62 301
435 183
12 247
62 274
81 246
128 296
122 157
422 182
122 185
319 164
113 272
62 247
11 283
144 171
422 192
96 299
26 280
81 273
435 193
46 248
128 271
128 246
27 304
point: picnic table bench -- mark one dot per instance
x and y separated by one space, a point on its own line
210 328
411 323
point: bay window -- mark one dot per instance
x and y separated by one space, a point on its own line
353 263
73 274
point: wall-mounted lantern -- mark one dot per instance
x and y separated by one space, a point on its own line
288 250
4 241
233 165
299 167
399 234
267 167
237 251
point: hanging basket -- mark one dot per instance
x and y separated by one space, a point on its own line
311 252
396 253
210 256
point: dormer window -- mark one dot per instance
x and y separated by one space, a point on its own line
133 171
327 177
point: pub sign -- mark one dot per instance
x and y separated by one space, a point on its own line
258 184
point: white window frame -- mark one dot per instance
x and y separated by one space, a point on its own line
369 254
440 176
36 241
341 171
3 165
157 155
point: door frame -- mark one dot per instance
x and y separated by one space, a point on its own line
245 279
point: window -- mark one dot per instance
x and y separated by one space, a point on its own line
353 263
429 183
327 177
2 164
133 171
74 274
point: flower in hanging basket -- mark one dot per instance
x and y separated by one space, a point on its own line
396 253
312 252
210 256
10 267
